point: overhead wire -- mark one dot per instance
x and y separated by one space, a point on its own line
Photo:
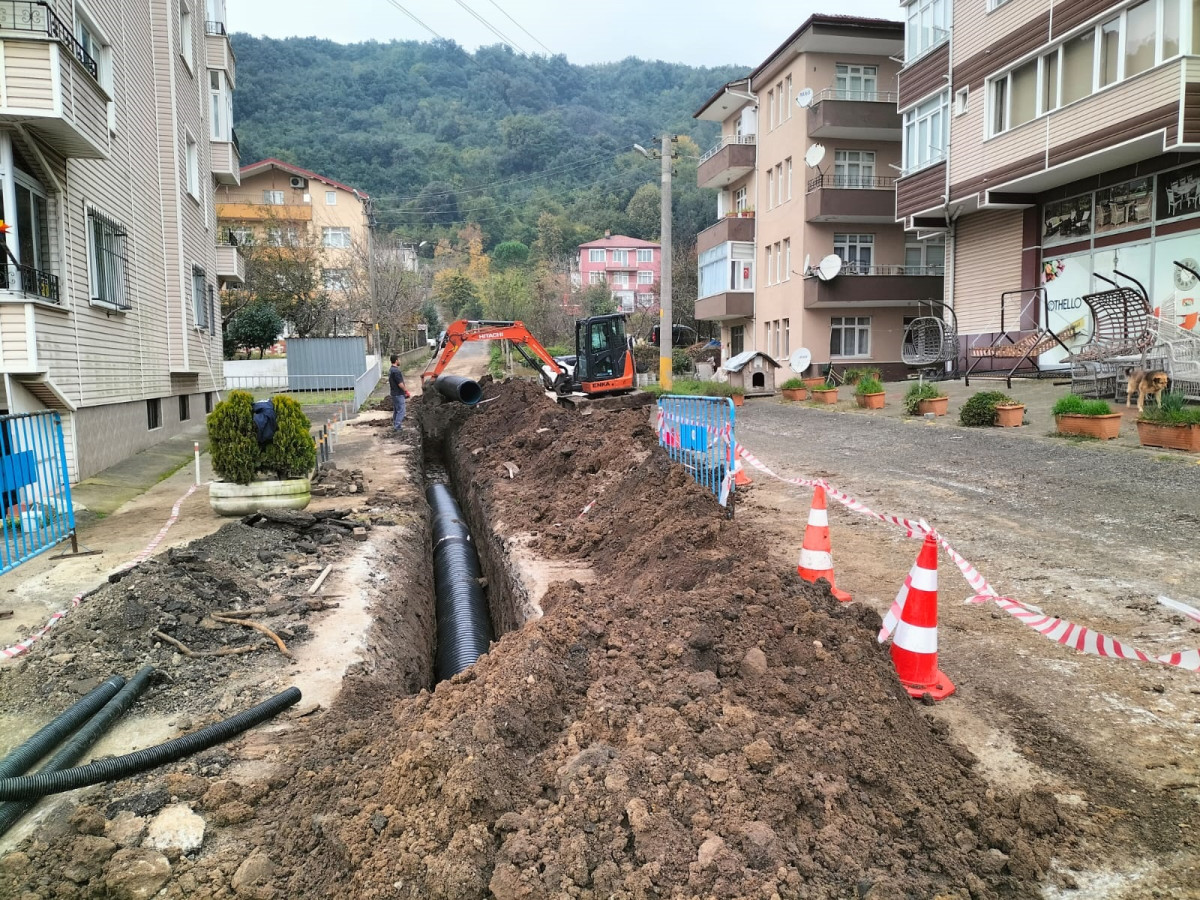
396 4
492 28
519 25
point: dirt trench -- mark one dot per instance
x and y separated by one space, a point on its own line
665 715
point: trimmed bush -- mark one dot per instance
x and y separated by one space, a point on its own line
980 410
292 453
232 440
645 358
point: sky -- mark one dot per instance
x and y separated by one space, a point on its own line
696 32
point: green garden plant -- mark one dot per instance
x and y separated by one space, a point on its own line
980 410
292 453
920 390
792 384
1173 411
854 376
232 440
1074 405
868 384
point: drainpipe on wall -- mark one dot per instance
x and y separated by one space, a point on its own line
951 245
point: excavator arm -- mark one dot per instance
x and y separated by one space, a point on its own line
554 374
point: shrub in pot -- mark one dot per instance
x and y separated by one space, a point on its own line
794 389
1172 424
987 408
923 397
1086 418
825 392
854 376
868 391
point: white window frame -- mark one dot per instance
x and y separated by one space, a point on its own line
595 277
645 276
859 324
787 337
788 164
191 157
779 198
787 260
928 115
848 248
770 266
199 297
595 255
843 160
645 255
933 16
962 101
336 279
788 107
115 284
340 232
220 106
771 188
866 76
97 45
243 234
771 110
331 198
273 198
620 257
620 279
741 199
187 45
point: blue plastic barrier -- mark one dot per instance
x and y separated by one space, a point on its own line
698 433
35 489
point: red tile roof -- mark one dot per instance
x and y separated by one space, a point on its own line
271 162
619 240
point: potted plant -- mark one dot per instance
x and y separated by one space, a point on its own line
923 398
1086 418
825 392
1171 425
868 391
988 408
253 476
794 389
854 376
738 394
748 212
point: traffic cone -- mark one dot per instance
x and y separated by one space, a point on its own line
914 645
816 553
740 478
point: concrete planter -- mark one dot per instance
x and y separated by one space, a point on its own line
1010 415
1172 437
827 396
230 499
796 394
871 401
1104 428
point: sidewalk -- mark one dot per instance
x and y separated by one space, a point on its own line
105 492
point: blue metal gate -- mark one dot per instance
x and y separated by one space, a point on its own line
35 488
698 434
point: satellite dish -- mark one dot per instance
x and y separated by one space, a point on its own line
807 270
815 154
829 267
800 360
804 99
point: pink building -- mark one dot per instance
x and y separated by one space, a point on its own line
630 267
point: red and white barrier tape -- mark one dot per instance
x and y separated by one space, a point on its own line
23 646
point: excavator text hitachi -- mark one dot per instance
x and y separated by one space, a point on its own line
603 354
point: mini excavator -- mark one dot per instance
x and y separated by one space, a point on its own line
603 354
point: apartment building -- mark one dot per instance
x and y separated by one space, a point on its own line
632 269
277 202
113 126
1054 144
806 168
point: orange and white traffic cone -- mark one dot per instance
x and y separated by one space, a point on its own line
740 478
816 553
914 645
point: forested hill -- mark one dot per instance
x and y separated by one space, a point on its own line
441 137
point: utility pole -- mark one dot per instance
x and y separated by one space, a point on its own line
666 330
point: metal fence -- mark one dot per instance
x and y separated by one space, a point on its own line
338 362
35 487
698 433
364 384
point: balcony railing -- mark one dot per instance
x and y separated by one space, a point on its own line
853 182
726 141
853 268
856 96
237 148
37 16
29 280
217 28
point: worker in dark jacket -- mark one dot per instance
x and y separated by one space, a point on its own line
398 391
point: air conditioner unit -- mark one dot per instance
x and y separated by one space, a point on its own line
299 183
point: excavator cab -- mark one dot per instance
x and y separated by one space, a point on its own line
603 357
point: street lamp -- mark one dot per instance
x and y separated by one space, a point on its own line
666 330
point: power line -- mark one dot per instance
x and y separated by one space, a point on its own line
396 4
519 25
490 27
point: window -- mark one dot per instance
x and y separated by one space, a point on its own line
1140 26
337 238
770 110
926 133
788 106
1015 97
856 251
98 58
596 256
740 199
1110 51
995 4
199 298
788 164
1077 61
645 276
645 256
853 168
221 100
778 339
1170 30
185 407
767 342
241 234
787 259
645 301
779 100
154 414
621 257
787 337
726 267
208 402
185 33
928 26
850 336
331 198
32 237
273 198
192 158
596 277
737 340
621 279
336 279
856 82
779 183
283 237
1050 81
962 101
108 261
770 264
770 188
925 257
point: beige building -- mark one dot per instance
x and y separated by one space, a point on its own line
113 125
276 200
806 169
1056 144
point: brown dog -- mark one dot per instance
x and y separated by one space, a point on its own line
1146 384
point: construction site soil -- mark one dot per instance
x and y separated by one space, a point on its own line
686 721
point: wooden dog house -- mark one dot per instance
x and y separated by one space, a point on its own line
754 371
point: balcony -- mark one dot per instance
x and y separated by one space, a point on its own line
875 286
732 158
245 206
860 198
29 282
231 265
49 82
218 51
726 305
730 228
226 161
854 115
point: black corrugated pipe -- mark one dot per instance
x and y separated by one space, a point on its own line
21 760
10 813
456 387
464 629
115 767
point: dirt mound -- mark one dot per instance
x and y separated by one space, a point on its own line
330 481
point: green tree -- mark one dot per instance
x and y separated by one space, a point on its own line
254 327
597 300
457 294
645 212
510 253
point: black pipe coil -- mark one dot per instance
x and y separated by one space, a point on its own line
464 629
60 762
21 760
457 387
43 783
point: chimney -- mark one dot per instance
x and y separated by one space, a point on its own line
607 233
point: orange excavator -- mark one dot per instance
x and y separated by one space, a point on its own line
603 361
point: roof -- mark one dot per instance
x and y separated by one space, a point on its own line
849 22
737 363
272 163
619 240
737 84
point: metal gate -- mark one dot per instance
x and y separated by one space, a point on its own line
34 486
698 434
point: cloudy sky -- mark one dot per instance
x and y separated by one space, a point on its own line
699 32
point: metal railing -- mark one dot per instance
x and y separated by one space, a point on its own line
30 281
36 15
852 182
35 487
237 148
698 433
365 384
853 268
856 96
216 28
726 141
